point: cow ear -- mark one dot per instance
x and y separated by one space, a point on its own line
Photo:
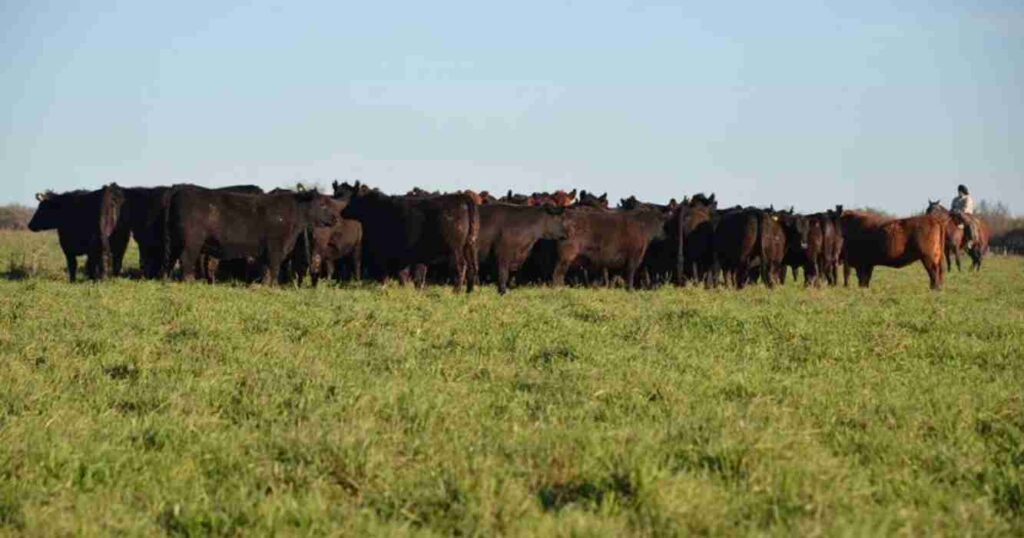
572 194
604 197
40 197
673 203
711 199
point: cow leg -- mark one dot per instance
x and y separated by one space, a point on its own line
631 268
357 263
864 275
72 263
846 275
558 275
189 258
767 274
503 274
420 275
405 275
272 271
459 263
210 269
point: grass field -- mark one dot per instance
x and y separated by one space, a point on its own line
151 408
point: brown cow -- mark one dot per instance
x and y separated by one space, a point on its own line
509 232
871 240
615 240
749 242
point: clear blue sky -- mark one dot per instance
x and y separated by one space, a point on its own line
863 103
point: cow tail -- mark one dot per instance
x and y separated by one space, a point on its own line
680 260
309 251
762 229
469 251
106 207
165 208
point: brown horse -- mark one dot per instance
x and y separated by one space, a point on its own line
955 239
871 240
961 236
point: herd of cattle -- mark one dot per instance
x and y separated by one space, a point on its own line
464 238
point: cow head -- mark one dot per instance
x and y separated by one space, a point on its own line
700 200
629 203
48 214
797 228
473 196
346 191
562 198
320 210
553 223
487 198
589 199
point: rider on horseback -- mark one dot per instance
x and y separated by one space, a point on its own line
964 205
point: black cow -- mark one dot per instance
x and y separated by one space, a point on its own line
144 213
608 240
402 233
797 229
509 232
227 225
86 223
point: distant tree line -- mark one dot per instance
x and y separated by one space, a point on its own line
15 217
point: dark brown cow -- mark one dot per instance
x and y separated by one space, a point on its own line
331 245
698 225
318 251
832 244
509 232
228 225
144 212
871 240
613 240
87 222
663 261
590 199
403 233
749 242
515 199
558 198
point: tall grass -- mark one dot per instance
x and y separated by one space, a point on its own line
149 408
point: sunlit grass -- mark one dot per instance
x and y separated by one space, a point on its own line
149 408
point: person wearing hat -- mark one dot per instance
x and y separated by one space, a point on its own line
964 204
